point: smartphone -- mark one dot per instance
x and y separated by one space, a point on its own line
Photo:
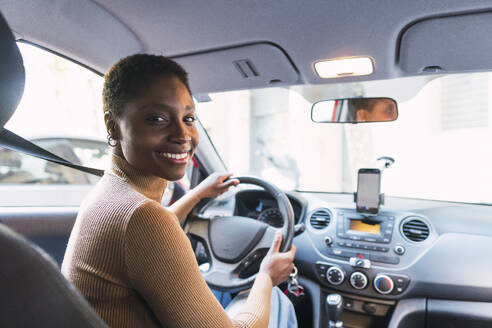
368 189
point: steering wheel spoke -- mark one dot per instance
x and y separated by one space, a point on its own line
267 239
198 227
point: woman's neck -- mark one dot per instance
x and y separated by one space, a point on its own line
147 184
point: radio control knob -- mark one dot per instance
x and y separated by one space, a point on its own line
383 284
358 280
335 275
399 250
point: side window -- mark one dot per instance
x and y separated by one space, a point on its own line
61 111
18 168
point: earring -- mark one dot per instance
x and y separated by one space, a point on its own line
112 142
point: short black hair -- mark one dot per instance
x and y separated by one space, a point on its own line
360 103
126 79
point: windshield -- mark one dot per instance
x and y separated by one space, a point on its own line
441 141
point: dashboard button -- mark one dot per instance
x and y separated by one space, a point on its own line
360 255
349 244
340 252
384 259
392 260
401 283
321 267
399 250
369 239
348 303
341 244
360 263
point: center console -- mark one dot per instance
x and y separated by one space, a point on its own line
363 259
357 238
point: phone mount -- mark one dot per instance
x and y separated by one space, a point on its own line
381 198
385 162
381 202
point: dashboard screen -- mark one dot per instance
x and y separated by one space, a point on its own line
359 226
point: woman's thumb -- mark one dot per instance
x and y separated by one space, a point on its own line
277 240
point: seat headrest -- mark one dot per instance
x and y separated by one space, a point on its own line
12 75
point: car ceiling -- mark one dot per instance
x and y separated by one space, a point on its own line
97 33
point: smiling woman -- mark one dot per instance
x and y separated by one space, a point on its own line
125 247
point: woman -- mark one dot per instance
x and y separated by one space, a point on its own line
127 254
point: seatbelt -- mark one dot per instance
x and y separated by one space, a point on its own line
14 142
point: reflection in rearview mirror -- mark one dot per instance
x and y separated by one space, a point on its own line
354 110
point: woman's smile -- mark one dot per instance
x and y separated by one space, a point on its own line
157 132
176 158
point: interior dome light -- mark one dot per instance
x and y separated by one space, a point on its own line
354 66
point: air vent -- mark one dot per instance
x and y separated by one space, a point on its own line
415 230
320 219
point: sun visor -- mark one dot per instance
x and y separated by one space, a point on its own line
448 44
12 75
244 67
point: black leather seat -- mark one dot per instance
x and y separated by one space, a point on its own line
33 292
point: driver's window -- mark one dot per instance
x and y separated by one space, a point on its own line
61 111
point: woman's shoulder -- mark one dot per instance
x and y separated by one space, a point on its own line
110 198
150 210
151 222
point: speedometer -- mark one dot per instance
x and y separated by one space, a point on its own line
272 216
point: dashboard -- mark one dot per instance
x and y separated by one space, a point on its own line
399 265
260 205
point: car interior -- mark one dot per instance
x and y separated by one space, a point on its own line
359 129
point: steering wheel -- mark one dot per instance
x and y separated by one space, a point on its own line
237 244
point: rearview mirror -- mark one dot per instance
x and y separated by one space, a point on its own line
354 110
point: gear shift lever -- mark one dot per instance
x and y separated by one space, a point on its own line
334 309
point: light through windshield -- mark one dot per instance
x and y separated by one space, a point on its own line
441 141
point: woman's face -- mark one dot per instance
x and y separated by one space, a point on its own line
156 132
383 110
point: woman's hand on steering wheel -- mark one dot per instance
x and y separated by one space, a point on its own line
235 242
214 185
278 265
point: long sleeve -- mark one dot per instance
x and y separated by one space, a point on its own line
184 205
162 268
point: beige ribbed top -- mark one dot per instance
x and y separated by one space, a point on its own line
132 261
